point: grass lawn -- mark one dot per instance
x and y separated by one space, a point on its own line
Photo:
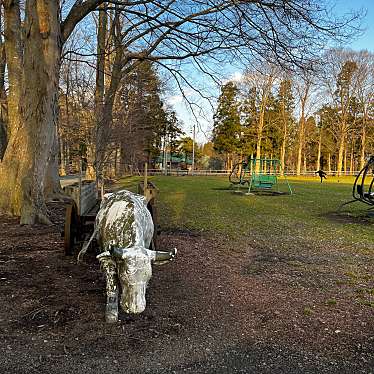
205 204
301 230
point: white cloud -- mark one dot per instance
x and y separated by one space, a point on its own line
176 99
237 76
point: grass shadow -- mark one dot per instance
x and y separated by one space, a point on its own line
357 217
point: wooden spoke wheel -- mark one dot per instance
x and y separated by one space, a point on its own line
152 209
71 229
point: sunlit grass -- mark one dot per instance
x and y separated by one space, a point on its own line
206 204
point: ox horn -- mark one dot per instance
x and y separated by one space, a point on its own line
161 257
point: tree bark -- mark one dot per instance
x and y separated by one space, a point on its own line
304 94
105 121
352 163
305 167
363 147
345 158
15 160
318 163
339 167
95 148
283 149
3 96
32 120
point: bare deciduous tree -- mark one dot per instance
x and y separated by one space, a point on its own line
162 31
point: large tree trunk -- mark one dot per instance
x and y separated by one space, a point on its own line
41 65
3 96
15 163
52 185
32 120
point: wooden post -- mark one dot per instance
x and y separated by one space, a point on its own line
145 178
80 186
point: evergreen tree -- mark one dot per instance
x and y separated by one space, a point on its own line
227 129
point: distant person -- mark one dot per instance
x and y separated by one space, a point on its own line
321 174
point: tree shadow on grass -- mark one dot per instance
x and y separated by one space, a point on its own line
358 217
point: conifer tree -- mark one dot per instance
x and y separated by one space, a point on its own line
226 131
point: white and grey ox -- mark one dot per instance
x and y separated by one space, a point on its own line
124 230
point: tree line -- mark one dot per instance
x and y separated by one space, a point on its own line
72 71
321 117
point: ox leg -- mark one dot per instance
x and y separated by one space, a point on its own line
110 269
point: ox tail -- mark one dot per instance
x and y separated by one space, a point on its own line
86 244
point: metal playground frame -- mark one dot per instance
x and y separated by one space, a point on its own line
261 175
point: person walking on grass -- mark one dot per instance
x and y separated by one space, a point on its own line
321 174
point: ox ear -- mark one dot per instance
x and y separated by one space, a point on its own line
162 257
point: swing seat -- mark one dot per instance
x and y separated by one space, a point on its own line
264 181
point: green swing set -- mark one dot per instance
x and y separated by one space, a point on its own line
261 174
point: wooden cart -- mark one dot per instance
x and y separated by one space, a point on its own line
80 213
82 210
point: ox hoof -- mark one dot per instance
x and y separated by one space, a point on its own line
111 311
111 317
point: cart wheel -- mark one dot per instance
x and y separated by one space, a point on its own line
70 229
152 209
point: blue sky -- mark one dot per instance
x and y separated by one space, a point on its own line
365 41
204 126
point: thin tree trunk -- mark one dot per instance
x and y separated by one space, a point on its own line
363 147
318 163
351 165
283 149
62 169
345 157
103 129
93 166
90 170
329 162
303 102
339 166
259 139
261 121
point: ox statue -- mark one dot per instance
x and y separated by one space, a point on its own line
124 230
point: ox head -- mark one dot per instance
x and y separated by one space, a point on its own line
134 272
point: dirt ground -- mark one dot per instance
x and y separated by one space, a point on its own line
215 309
